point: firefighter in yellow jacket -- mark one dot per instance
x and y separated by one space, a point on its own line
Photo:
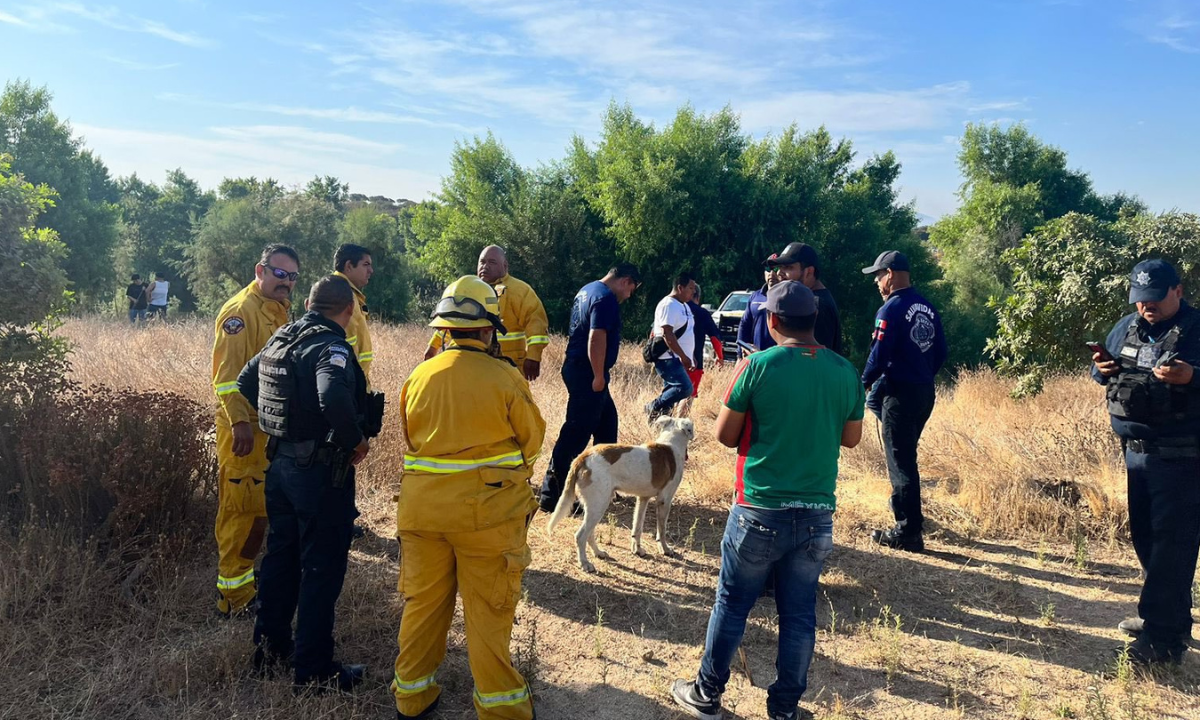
473 432
353 262
521 312
245 323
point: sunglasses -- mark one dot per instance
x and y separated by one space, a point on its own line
282 274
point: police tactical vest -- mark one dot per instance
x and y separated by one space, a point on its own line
277 380
1136 395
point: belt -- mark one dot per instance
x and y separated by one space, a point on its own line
305 451
1183 447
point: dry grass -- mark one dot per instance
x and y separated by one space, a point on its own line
1025 500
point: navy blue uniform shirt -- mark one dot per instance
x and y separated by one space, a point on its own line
828 331
753 327
1188 348
330 385
908 344
595 308
703 328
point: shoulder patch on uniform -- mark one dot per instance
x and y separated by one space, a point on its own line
233 325
338 360
338 349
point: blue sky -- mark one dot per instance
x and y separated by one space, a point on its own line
377 93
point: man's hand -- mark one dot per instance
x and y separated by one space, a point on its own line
598 383
360 452
1109 368
687 363
1176 372
532 369
243 439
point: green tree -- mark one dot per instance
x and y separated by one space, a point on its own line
157 228
31 360
1071 284
229 239
1012 183
389 293
329 189
84 214
696 195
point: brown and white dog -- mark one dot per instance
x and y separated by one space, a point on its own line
646 471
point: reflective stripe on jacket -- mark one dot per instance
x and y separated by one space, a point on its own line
246 321
473 433
358 333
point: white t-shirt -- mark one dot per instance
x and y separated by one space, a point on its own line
674 313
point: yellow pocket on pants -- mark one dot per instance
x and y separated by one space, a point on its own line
243 495
507 588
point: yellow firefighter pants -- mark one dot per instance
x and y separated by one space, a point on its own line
241 525
485 567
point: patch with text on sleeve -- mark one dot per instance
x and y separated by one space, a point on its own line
233 325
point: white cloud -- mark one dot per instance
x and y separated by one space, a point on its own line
13 20
136 65
1168 24
859 111
559 61
305 140
291 155
117 20
347 114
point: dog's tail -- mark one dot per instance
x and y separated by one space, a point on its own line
578 468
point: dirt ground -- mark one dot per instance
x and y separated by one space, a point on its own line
991 622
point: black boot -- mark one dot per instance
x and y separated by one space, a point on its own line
423 714
344 678
893 538
268 662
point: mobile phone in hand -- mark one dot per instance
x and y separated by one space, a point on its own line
1098 348
746 347
1166 359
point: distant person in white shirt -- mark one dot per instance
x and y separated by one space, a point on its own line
673 323
157 292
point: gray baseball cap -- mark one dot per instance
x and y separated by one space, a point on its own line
790 299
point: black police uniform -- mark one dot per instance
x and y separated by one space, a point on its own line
311 396
1159 427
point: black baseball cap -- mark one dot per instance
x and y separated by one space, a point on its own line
1150 281
796 252
888 260
770 259
790 299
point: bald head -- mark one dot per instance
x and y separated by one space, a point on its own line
493 264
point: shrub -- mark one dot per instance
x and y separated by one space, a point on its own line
115 467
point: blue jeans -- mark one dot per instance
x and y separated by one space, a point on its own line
677 385
793 544
136 314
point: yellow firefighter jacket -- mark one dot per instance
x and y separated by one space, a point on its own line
524 318
358 335
472 433
246 321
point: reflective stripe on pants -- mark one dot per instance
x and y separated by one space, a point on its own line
484 567
413 463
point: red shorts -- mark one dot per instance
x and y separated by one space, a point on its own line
695 376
